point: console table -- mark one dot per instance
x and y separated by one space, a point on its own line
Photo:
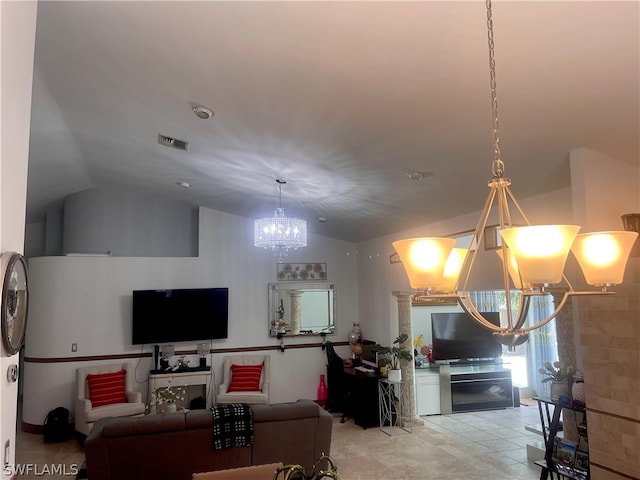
393 407
197 382
575 466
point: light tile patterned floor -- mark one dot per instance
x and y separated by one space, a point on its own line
469 446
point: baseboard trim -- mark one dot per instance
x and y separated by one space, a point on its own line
31 428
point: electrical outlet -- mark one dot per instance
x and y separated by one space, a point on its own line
74 347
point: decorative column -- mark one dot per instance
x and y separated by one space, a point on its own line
408 368
296 299
565 334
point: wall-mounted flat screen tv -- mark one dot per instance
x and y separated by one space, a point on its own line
456 336
181 315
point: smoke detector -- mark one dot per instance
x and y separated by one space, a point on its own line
203 113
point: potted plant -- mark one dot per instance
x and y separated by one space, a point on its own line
398 352
559 376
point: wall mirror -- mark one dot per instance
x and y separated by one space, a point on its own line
302 308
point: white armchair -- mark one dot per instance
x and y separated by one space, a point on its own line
86 414
243 396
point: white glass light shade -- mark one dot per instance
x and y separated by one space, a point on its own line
540 251
603 255
452 270
280 232
424 260
513 269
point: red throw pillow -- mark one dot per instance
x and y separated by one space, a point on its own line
107 388
245 378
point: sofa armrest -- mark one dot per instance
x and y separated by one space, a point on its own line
222 388
81 411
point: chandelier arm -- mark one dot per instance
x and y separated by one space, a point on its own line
503 212
561 304
465 302
517 205
523 311
478 235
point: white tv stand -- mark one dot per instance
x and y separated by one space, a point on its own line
463 387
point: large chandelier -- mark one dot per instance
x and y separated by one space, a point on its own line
533 257
280 233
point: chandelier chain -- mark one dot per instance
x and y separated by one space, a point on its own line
497 168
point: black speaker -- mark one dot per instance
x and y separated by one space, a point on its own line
203 362
156 356
516 396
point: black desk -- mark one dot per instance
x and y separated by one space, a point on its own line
361 397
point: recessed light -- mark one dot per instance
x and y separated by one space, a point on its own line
203 112
183 184
323 219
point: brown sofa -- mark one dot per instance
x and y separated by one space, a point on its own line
173 446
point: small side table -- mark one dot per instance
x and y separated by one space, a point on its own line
393 407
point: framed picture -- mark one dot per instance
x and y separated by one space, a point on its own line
426 301
302 271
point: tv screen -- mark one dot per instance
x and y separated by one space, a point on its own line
182 315
456 336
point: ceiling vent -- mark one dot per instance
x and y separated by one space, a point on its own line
173 142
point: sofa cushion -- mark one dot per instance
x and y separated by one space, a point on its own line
285 411
115 410
158 423
245 378
107 388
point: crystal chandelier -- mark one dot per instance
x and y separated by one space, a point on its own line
280 233
533 257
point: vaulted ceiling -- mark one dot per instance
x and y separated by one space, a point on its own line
340 99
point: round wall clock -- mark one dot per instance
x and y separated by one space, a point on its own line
15 301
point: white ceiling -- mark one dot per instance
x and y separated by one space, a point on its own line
340 99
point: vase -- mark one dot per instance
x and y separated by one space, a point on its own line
323 394
577 391
171 407
559 389
394 375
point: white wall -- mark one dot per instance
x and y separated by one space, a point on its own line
87 300
18 22
603 190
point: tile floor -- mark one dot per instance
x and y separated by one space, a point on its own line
465 446
469 446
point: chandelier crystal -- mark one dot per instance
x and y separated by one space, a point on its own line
533 257
279 232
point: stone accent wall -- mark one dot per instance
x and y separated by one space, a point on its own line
610 339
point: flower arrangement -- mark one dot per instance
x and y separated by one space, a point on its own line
417 342
280 310
556 372
170 394
427 351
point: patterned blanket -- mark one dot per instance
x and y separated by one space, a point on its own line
232 425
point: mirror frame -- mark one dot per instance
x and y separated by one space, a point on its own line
275 293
